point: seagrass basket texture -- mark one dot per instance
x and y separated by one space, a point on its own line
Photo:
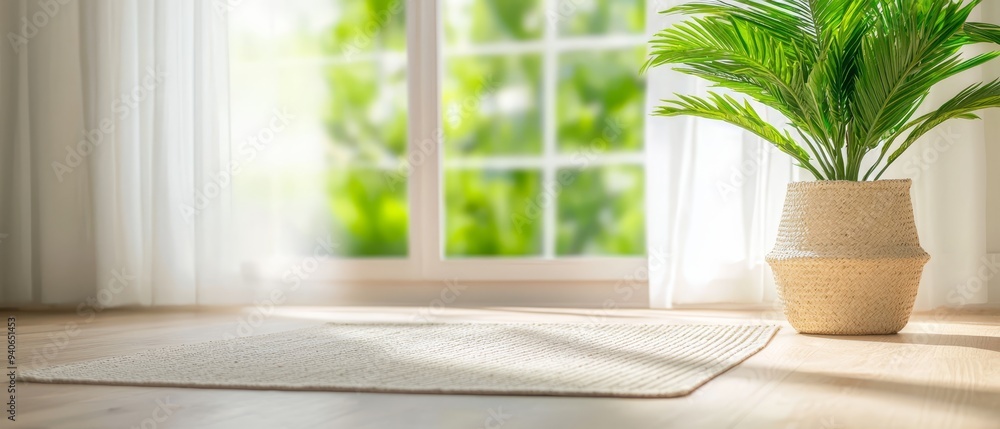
847 260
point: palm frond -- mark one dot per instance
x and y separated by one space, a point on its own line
972 99
727 109
737 56
900 61
980 32
783 20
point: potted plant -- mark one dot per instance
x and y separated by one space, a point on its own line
849 77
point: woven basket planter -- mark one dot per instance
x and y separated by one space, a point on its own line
847 260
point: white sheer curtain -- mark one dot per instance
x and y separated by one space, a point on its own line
715 196
121 126
44 235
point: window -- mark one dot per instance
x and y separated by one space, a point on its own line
494 139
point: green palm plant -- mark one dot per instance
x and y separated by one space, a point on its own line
848 75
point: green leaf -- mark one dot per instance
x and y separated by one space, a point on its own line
974 98
729 110
981 32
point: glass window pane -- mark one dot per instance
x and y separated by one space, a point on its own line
492 105
268 30
337 68
601 212
278 168
601 100
365 111
370 212
367 26
489 214
365 121
595 17
489 21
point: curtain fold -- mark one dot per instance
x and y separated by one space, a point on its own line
715 195
128 161
45 239
157 71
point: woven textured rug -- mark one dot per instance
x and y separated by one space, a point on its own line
622 360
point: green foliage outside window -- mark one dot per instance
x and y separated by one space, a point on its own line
480 204
601 212
366 121
476 122
602 100
492 105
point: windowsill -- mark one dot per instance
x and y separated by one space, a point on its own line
434 294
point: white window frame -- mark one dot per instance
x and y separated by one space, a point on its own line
426 259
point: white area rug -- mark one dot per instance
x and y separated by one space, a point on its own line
625 360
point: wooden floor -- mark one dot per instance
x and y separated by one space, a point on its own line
943 371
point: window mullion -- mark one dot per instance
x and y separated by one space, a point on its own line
425 134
